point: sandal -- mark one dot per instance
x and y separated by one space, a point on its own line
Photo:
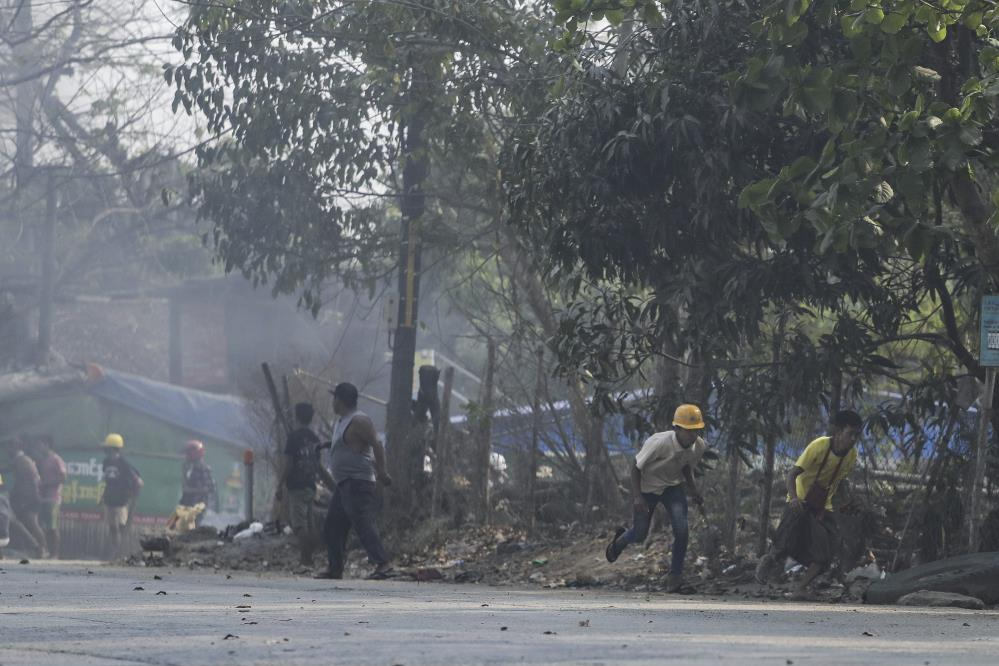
611 552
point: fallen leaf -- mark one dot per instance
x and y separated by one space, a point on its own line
244 606
503 628
160 592
157 577
25 562
866 633
138 588
550 633
228 636
247 595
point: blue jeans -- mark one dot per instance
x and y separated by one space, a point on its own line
674 498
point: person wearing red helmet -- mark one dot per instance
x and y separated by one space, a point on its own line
198 482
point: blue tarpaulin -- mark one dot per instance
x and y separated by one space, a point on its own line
222 417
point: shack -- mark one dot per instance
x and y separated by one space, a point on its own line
79 406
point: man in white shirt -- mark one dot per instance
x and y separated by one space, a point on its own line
665 461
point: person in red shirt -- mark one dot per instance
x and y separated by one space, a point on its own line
52 474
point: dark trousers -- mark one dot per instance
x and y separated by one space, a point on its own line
806 537
674 498
355 504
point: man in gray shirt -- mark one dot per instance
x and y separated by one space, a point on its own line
358 462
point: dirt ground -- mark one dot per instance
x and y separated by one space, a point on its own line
502 556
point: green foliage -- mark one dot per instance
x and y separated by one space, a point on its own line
312 103
816 162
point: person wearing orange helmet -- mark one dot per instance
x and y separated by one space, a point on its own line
198 482
663 465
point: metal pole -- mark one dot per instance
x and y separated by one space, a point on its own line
981 450
532 478
248 483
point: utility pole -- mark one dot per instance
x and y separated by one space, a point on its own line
988 359
47 292
412 204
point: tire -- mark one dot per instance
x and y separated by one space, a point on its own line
975 575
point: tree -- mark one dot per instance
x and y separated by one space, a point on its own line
328 116
89 158
670 194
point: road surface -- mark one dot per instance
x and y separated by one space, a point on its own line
84 614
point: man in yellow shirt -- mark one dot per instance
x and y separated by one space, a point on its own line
807 531
662 468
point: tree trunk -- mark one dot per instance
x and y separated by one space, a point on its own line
442 452
732 495
771 436
484 439
585 424
668 385
532 468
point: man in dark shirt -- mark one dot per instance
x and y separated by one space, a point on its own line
121 485
301 471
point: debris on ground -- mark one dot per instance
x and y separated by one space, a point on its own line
566 558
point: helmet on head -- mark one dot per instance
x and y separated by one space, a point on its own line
114 441
194 449
688 417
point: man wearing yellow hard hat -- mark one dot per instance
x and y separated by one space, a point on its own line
663 465
121 485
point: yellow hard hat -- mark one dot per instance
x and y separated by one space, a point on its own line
114 441
688 417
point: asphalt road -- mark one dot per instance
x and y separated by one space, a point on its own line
88 614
